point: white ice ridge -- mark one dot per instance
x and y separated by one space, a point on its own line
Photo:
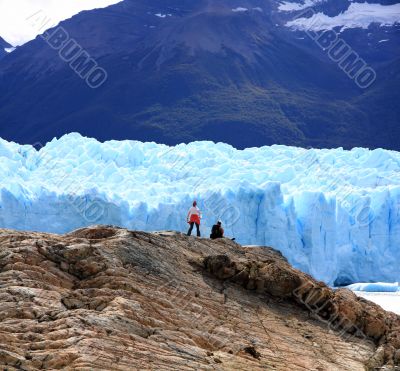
333 213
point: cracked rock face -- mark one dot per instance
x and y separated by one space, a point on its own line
106 298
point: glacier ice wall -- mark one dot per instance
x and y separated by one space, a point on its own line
333 213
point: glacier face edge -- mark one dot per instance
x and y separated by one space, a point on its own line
333 213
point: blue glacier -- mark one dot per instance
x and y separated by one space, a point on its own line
375 287
333 213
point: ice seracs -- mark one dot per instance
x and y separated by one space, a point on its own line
333 213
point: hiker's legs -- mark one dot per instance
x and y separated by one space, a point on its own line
190 229
198 229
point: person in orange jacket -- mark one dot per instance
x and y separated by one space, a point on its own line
193 217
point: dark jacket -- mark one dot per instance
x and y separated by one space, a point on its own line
216 232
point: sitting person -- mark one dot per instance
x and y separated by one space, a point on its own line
217 231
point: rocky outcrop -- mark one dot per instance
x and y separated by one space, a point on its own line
340 310
106 298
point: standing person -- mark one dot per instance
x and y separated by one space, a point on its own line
217 231
193 217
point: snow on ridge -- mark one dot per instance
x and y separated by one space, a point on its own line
161 15
240 9
333 213
358 15
9 50
288 6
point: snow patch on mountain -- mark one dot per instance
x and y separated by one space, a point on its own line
358 15
161 15
239 10
288 6
9 50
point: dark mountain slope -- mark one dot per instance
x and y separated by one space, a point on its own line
196 71
381 107
3 45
